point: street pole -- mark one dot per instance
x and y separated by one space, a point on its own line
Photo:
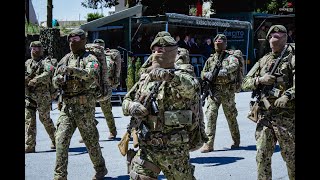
49 13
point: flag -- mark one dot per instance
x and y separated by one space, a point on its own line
199 8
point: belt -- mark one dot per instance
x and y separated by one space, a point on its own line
161 140
81 99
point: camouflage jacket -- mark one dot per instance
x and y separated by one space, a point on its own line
41 71
229 62
285 74
181 93
84 76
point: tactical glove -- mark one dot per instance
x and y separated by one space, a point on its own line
222 72
65 70
137 110
32 82
281 101
208 76
160 74
60 79
26 79
267 79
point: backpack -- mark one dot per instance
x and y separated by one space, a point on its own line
240 71
113 61
103 86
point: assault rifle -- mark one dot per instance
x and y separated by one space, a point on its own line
135 123
61 92
262 92
206 85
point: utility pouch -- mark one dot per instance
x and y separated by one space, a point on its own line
178 117
130 155
82 100
253 112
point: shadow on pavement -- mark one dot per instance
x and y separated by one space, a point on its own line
124 177
248 148
79 150
100 117
215 161
115 139
52 150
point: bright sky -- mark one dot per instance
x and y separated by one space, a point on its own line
70 10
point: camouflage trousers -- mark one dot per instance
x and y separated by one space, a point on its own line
227 100
76 113
173 161
106 108
43 106
282 130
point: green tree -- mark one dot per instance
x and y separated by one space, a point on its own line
95 4
138 66
130 76
93 16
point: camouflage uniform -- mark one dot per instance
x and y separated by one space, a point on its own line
37 97
78 107
277 123
166 147
113 74
223 93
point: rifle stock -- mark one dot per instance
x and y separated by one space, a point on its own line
135 138
123 145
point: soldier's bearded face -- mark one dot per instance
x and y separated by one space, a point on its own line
277 41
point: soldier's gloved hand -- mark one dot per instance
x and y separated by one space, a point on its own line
281 101
32 82
208 76
222 72
60 79
160 74
26 79
136 109
65 70
267 79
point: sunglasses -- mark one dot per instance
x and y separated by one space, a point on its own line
74 39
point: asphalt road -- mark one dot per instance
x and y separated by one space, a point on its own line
221 164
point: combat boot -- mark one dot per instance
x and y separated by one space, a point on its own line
206 148
53 145
235 145
100 175
30 150
112 135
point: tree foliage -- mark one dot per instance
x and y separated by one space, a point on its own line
95 4
265 6
94 16
130 77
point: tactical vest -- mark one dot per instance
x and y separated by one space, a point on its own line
179 119
74 85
